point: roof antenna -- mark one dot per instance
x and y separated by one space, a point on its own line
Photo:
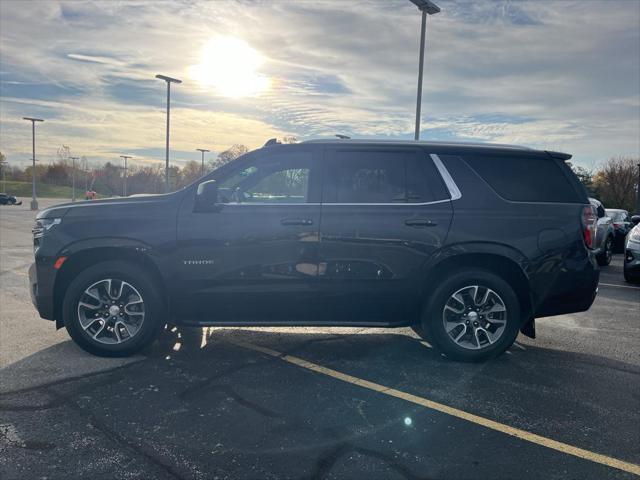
343 137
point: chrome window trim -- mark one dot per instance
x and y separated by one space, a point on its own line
338 204
405 204
454 191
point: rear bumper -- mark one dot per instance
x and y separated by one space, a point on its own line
41 290
571 291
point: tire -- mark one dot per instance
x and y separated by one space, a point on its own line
605 257
136 323
477 342
631 278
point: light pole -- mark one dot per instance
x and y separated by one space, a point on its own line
427 8
169 81
202 150
73 177
34 202
3 166
124 186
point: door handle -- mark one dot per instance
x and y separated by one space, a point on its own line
296 221
420 222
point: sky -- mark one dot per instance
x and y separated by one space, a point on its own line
550 74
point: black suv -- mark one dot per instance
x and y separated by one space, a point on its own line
465 243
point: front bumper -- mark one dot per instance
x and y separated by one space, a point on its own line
41 289
632 260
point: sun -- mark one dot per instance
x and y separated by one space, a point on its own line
230 65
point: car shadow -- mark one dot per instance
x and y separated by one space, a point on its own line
197 398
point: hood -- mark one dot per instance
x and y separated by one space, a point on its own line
90 207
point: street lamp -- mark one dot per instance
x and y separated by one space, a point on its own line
73 177
124 187
203 151
169 81
34 202
3 166
427 8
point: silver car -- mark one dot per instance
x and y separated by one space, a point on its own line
632 252
603 247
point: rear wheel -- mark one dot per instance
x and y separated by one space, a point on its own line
473 315
113 310
605 257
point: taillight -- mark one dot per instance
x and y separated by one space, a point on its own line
589 225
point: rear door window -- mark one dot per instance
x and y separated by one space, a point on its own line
380 176
526 179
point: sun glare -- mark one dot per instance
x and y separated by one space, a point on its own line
230 65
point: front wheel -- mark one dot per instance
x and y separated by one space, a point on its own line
113 310
472 316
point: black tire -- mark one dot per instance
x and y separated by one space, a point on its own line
631 278
432 318
604 258
154 308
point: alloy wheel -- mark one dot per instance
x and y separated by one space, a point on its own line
474 317
111 311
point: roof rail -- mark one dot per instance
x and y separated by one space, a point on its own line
272 141
343 137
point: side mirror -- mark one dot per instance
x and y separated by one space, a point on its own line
635 219
601 212
207 196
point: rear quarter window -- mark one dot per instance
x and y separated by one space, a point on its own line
527 179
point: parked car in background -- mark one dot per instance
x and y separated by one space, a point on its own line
6 199
632 252
465 243
621 226
604 234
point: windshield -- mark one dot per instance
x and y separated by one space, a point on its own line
618 215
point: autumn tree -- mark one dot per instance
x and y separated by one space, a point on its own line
586 178
228 155
190 172
616 182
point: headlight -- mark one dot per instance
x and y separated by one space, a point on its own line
43 225
634 235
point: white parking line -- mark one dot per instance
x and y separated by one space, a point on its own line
620 286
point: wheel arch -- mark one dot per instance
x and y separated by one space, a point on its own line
503 261
81 258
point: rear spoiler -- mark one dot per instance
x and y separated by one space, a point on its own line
560 155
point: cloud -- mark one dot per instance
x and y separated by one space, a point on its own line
544 74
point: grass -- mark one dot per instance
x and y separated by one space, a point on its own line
23 190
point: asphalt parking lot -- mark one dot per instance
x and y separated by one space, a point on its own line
317 403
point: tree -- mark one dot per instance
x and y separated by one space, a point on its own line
616 182
190 172
228 155
586 178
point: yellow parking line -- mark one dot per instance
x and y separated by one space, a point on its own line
454 412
